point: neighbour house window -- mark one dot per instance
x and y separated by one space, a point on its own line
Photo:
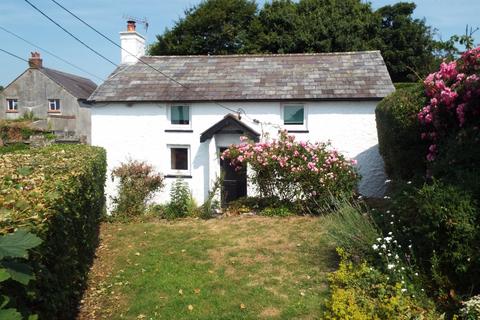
12 105
180 115
294 115
53 105
180 159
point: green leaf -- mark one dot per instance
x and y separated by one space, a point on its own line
33 317
25 171
16 244
4 301
10 314
19 272
4 275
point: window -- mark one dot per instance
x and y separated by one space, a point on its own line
179 159
294 115
54 105
12 105
180 115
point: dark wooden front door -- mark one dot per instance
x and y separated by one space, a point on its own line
234 181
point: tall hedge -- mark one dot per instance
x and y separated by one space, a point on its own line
57 193
399 134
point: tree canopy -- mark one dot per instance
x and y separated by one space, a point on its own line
285 26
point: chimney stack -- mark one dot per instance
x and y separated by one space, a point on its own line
132 43
35 61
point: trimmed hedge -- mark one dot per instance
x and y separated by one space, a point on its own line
58 193
399 134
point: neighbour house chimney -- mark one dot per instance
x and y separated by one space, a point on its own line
35 61
133 44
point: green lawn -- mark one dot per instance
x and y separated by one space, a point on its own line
232 268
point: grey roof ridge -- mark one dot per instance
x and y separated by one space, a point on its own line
258 55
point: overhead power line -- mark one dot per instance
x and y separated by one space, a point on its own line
50 53
238 111
13 55
69 33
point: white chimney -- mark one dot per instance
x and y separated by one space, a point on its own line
133 44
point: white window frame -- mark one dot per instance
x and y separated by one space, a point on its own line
294 127
179 126
57 106
14 107
189 161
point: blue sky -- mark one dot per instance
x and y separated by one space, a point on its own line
107 16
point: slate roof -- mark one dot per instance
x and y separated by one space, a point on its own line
319 76
79 87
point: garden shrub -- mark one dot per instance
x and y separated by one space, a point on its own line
310 173
442 224
138 183
207 210
361 291
180 204
399 140
57 193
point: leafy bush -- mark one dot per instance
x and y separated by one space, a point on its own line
399 131
276 212
442 223
296 171
57 193
13 147
207 210
13 249
138 183
350 227
180 205
360 291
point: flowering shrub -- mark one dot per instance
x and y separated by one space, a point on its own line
295 171
471 309
138 183
454 100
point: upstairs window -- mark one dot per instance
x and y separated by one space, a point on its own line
293 115
180 115
53 105
12 105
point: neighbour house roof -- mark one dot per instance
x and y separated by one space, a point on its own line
79 87
319 76
229 124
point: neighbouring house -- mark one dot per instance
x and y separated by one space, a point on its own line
56 97
142 114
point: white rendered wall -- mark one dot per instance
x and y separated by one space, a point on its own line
138 132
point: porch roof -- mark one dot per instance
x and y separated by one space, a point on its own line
229 124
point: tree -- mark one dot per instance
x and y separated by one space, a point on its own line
212 27
407 43
286 26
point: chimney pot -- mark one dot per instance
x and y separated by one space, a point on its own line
131 26
35 61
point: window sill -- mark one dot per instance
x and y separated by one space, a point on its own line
11 111
298 131
55 112
183 176
178 130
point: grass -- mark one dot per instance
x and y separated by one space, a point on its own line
232 268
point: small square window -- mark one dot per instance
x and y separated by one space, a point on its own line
179 158
54 105
293 115
12 105
180 115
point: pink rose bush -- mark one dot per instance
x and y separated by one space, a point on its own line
295 171
454 100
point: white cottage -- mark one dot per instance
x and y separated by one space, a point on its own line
180 116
